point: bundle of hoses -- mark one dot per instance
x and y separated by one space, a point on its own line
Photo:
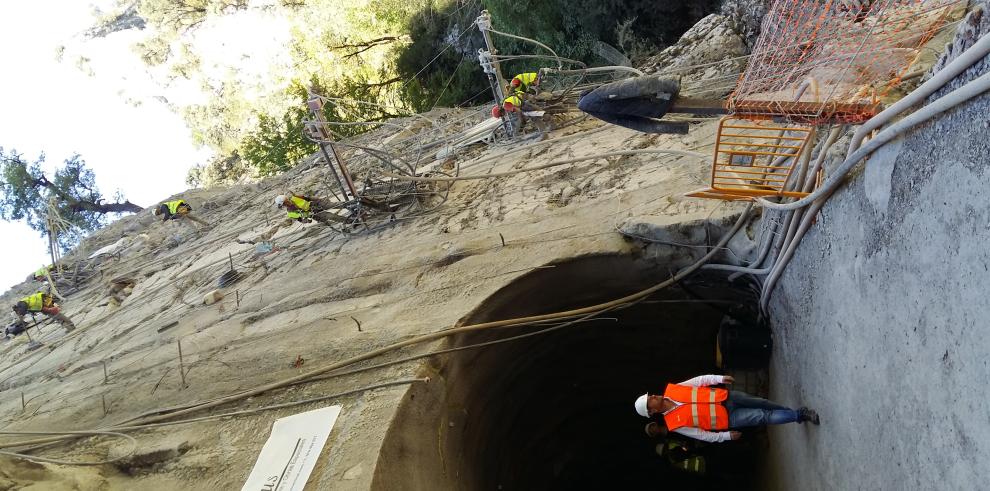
800 214
160 417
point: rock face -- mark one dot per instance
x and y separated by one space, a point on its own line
714 42
746 15
975 25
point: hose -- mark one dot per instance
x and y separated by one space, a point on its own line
124 427
513 36
685 153
75 434
274 406
616 68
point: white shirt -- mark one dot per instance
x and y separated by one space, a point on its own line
698 433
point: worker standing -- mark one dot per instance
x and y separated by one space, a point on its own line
515 103
695 409
44 303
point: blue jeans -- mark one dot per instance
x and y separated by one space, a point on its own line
746 410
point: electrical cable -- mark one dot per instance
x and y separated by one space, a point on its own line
75 434
970 90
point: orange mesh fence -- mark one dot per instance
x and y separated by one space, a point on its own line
830 61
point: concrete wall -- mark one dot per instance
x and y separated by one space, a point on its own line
881 321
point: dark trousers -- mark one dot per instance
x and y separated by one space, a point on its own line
635 104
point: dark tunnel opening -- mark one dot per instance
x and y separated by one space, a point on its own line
555 411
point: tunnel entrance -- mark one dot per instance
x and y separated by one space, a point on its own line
555 411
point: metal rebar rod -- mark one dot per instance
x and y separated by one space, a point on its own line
182 370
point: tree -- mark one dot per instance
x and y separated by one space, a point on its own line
72 192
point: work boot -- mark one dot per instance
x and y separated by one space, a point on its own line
809 415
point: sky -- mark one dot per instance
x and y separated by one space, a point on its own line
56 108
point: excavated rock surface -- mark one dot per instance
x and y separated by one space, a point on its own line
317 298
706 58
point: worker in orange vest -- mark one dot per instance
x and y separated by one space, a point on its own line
695 409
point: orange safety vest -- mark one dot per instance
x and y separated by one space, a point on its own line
700 407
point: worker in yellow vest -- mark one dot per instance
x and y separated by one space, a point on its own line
525 81
679 454
695 409
301 208
44 303
513 103
42 273
172 210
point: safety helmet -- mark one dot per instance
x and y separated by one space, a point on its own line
21 308
279 201
496 111
516 82
641 407
508 106
156 211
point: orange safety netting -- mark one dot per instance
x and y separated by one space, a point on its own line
830 61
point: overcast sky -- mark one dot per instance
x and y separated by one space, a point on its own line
57 109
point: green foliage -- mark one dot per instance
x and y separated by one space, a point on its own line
572 28
441 61
221 170
403 55
72 193
277 144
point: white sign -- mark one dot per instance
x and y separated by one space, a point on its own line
291 452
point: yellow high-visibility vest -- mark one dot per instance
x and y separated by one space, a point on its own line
302 208
35 302
173 206
515 100
694 464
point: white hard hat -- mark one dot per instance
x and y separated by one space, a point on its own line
641 405
154 211
279 200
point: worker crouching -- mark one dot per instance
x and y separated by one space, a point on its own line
514 104
43 303
172 210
